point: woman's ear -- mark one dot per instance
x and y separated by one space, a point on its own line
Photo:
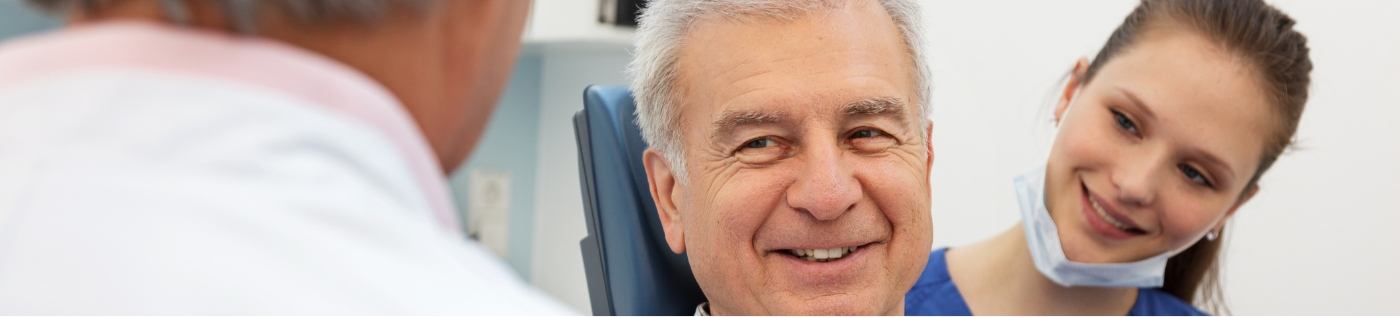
1244 198
1076 77
662 181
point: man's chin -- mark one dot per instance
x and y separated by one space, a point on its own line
838 304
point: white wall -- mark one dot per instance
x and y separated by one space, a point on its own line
575 51
553 21
1319 238
508 147
559 221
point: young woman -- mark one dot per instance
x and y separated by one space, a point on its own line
1162 137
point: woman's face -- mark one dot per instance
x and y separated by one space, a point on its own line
1156 150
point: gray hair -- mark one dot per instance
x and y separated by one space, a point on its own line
661 31
242 13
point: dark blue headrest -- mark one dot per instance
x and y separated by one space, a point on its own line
630 269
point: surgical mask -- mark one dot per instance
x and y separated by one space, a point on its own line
1043 238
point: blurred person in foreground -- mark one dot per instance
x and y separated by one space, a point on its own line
250 157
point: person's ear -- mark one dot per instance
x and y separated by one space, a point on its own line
662 181
1076 78
928 143
1244 198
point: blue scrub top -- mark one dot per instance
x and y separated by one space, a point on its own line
935 294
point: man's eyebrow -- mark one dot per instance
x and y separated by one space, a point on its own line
730 121
877 106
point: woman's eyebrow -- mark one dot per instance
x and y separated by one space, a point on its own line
1137 103
1210 159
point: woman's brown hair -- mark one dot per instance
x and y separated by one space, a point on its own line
1261 35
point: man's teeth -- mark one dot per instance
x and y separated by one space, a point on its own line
822 255
1104 214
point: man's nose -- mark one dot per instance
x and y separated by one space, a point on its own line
826 186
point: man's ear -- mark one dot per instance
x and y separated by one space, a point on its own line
1076 78
662 181
928 142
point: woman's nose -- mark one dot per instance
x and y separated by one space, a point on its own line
1137 179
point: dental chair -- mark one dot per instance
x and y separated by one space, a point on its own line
629 267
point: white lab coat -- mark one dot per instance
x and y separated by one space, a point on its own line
135 188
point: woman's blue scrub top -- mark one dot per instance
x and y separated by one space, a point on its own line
935 294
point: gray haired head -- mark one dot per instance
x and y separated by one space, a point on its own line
661 32
242 14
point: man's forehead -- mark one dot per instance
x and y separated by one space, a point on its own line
847 60
731 49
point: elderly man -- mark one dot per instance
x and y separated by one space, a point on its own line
250 157
790 151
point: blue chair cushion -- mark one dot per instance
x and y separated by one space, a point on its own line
629 267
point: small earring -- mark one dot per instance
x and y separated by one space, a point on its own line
1212 235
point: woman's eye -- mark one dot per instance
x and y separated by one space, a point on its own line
1194 175
1125 123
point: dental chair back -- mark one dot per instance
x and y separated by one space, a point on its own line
629 267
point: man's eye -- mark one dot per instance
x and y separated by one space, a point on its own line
1125 123
759 143
1195 176
870 140
761 150
866 133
